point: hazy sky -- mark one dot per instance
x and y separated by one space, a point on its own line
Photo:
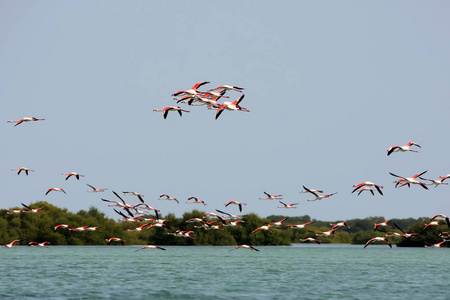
330 86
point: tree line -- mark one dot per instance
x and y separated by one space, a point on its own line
39 227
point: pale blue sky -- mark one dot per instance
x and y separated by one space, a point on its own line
330 85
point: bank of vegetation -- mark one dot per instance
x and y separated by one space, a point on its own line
39 227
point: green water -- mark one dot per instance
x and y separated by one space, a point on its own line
297 272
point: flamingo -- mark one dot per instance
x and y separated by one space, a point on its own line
26 119
409 180
191 91
56 190
437 181
228 88
15 211
405 235
229 215
92 228
377 239
10 245
157 225
265 227
279 223
382 224
38 244
318 197
438 245
235 223
150 247
32 210
26 170
182 233
300 226
245 247
312 190
447 220
196 201
271 197
310 239
116 240
404 148
228 105
432 223
128 219
75 174
167 197
61 226
339 225
239 204
193 220
81 228
94 190
135 194
325 233
123 204
171 108
292 205
368 183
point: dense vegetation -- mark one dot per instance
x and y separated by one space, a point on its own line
39 227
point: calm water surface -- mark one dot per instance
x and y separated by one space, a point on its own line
297 272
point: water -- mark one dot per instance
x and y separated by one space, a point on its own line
297 272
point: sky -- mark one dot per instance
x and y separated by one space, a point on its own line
330 85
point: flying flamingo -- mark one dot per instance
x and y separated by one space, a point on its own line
382 224
56 190
10 245
32 210
279 223
231 106
300 226
377 239
437 181
15 211
61 226
116 240
339 225
26 119
318 197
192 91
229 215
404 148
228 87
239 204
265 227
271 197
135 194
325 233
171 108
75 174
432 223
38 244
409 180
405 235
196 201
447 220
292 205
26 170
438 245
368 183
167 197
150 247
311 190
234 223
245 247
117 203
81 228
310 239
94 190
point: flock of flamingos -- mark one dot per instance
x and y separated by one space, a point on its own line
136 212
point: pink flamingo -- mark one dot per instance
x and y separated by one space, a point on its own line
271 197
291 205
310 239
409 180
378 239
368 183
94 190
318 197
239 204
32 210
61 226
191 91
38 244
382 224
150 247
10 245
228 88
26 119
265 227
75 174
437 181
196 201
404 148
171 108
233 106
167 197
26 170
300 226
56 190
279 223
116 240
135 194
245 247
